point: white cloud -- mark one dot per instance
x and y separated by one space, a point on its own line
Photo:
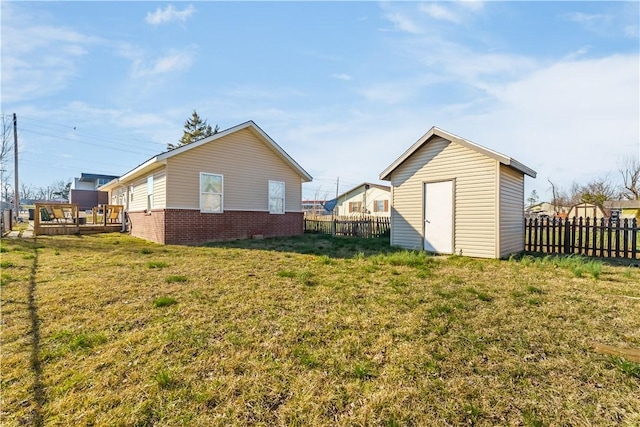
341 76
571 121
403 23
169 14
38 59
591 22
174 61
631 31
473 5
439 12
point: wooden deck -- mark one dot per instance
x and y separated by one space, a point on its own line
61 219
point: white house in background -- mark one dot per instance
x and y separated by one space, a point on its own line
450 195
365 199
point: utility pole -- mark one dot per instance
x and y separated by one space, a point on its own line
16 196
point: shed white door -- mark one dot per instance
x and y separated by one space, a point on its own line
438 217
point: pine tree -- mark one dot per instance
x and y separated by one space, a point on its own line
195 129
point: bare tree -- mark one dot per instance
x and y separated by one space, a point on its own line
630 171
61 188
44 193
560 197
7 145
27 191
533 198
6 148
597 191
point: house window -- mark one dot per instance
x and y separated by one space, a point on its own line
381 206
276 197
131 193
149 192
210 192
355 207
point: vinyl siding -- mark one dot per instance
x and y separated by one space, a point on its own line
246 163
139 202
373 194
511 211
474 193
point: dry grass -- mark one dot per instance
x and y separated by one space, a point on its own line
110 330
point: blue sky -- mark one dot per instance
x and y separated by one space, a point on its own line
343 87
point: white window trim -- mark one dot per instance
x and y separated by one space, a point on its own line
284 196
150 192
221 194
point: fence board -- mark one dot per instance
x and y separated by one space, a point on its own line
601 237
361 227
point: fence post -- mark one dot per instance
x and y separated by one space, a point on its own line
625 241
567 235
634 238
580 235
586 235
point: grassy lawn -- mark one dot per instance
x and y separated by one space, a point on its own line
110 330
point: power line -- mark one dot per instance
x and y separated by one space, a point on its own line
112 147
110 139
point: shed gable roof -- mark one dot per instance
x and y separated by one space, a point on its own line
161 158
437 132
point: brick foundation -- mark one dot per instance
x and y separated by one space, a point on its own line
183 227
148 226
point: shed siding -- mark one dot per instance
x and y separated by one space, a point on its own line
474 193
247 165
511 211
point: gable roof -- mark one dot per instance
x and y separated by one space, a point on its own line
437 132
622 204
161 158
379 186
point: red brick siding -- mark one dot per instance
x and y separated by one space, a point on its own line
193 227
148 227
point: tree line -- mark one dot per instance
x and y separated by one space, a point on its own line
598 190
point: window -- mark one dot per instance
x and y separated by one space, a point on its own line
276 197
355 207
381 206
149 192
210 192
131 193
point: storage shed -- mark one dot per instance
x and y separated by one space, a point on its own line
450 195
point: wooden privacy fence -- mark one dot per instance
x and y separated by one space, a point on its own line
597 237
361 227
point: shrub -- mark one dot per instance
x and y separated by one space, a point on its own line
175 279
157 264
164 301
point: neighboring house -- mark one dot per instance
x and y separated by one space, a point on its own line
314 208
235 184
84 190
546 209
450 195
626 208
365 199
586 210
91 181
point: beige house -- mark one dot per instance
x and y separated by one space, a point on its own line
450 195
628 209
235 184
586 210
365 199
